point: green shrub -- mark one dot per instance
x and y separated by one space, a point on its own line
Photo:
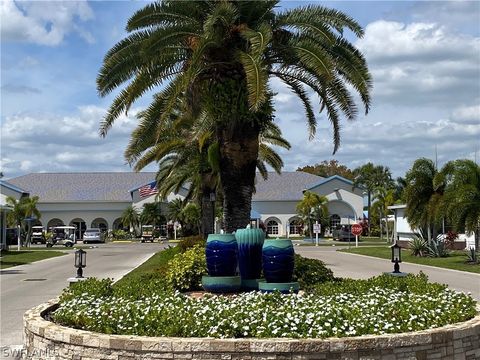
418 246
415 284
309 272
98 288
191 241
185 270
437 248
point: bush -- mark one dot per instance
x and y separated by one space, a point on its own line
191 241
437 248
418 246
309 272
185 270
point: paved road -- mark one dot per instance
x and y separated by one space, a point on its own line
25 286
363 267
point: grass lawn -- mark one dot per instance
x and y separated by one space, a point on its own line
152 266
455 261
14 258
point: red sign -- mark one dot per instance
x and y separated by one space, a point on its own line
357 229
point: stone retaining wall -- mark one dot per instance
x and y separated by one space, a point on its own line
46 340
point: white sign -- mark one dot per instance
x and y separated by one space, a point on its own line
316 228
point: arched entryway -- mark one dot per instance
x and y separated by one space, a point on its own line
273 227
100 223
54 222
80 225
117 224
295 227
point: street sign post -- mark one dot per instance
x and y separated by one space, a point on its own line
356 230
316 230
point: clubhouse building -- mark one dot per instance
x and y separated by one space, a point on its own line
97 199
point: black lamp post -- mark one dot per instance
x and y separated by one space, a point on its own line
80 262
396 257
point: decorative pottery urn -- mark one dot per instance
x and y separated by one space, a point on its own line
250 242
278 260
221 253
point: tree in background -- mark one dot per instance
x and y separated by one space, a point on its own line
313 207
423 196
221 56
371 177
461 201
384 198
191 217
131 219
25 207
152 214
327 169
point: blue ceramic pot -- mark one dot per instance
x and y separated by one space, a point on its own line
250 242
278 260
221 252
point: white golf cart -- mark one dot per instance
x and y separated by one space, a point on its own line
62 235
38 235
147 233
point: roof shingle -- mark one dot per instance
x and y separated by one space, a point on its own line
288 186
91 186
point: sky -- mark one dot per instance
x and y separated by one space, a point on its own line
424 58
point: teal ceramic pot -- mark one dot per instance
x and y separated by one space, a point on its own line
278 260
221 253
250 243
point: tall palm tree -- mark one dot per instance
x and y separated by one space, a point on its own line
423 196
221 54
461 202
188 155
152 214
384 198
372 176
312 207
131 218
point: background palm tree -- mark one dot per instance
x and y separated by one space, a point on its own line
152 214
313 207
131 219
461 201
384 198
371 177
423 197
220 55
24 208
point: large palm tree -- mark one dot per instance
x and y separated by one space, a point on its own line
461 202
221 54
371 177
423 197
188 156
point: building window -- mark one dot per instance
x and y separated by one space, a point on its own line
334 221
296 227
272 227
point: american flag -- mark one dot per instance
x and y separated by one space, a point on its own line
148 190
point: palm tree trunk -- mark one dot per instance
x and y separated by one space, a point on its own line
238 146
207 206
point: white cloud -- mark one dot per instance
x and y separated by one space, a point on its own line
43 22
46 142
421 63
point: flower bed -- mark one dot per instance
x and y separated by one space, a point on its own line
378 306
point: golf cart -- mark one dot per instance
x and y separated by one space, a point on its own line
38 235
62 235
147 233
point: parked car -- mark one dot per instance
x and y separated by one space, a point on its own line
38 235
12 236
93 235
343 234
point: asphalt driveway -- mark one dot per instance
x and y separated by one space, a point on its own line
25 286
362 267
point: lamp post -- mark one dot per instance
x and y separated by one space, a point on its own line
396 257
80 262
